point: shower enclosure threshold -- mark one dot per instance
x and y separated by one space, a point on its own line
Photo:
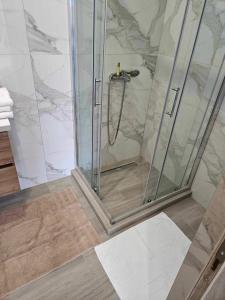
116 224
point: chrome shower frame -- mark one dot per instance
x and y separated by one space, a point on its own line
114 224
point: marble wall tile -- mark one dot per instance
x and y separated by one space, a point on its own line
84 15
58 144
31 171
16 74
212 165
12 30
51 76
132 38
129 140
35 67
59 164
211 37
25 135
47 26
53 91
130 136
56 114
49 45
154 113
135 27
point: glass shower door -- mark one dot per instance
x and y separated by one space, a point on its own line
90 32
170 99
183 123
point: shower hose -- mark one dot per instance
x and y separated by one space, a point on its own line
112 138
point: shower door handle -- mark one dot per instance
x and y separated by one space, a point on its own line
96 81
177 90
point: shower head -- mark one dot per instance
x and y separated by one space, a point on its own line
134 73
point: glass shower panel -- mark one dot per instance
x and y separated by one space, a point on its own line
171 97
193 106
193 157
84 79
88 92
202 87
140 49
196 102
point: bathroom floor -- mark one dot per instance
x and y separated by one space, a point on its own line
123 188
52 227
47 228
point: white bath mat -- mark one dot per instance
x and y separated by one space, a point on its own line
142 262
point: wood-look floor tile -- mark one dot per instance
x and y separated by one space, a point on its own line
81 279
39 235
128 184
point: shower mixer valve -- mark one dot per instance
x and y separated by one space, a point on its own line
123 74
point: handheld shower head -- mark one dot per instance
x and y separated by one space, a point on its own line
134 73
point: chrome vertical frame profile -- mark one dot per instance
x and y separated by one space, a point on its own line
93 175
97 78
101 92
74 68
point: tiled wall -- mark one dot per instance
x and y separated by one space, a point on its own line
133 37
212 165
170 33
35 67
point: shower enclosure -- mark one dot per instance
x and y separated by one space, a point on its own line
146 79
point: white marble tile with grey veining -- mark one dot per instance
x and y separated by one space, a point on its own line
12 28
211 36
47 26
135 28
56 121
59 163
53 91
25 135
133 40
212 164
52 78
